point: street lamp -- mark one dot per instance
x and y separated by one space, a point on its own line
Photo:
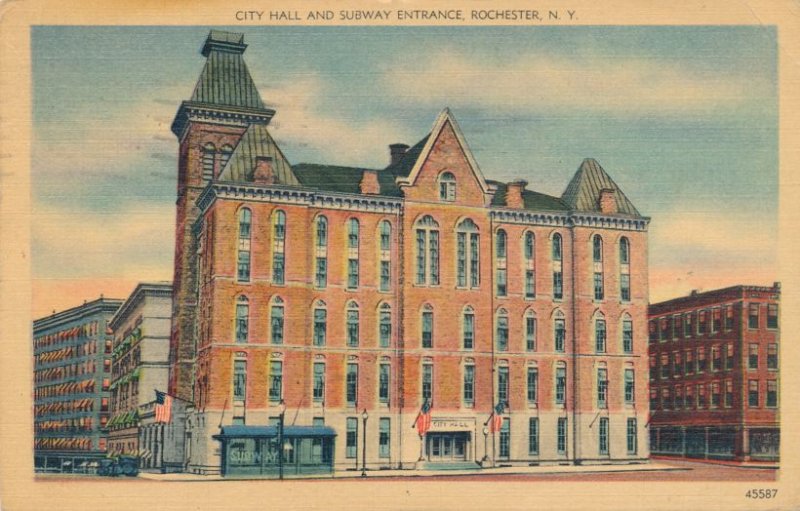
282 410
364 416
485 446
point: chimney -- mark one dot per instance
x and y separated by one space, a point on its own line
369 182
263 173
514 194
396 152
608 200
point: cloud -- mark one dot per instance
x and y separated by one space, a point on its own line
547 83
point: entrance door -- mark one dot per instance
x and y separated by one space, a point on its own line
444 447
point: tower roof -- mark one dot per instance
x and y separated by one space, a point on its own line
583 192
257 142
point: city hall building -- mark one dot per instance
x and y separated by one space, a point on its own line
317 308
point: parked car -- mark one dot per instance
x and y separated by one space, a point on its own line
119 465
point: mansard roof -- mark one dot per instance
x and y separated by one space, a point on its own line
583 192
257 142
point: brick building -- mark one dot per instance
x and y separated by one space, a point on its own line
714 374
72 375
352 296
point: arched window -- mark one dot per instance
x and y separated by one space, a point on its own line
320 323
321 261
427 231
530 330
385 325
502 330
385 269
468 254
597 257
276 315
558 276
243 252
624 269
599 333
468 328
242 319
352 253
207 158
597 248
427 326
559 332
224 156
529 263
627 333
352 324
501 249
447 187
279 247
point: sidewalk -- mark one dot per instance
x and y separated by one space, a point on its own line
771 465
372 474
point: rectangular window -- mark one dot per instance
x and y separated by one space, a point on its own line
678 397
664 365
469 331
728 393
728 317
502 385
352 437
533 385
687 324
689 396
716 358
752 393
383 382
602 388
533 436
352 328
243 266
384 437
603 436
701 395
421 256
461 264
632 433
715 394
385 329
663 331
702 322
469 385
352 273
559 334
627 336
320 326
772 393
653 398
600 336
625 287
275 380
276 324
772 356
752 358
278 268
716 320
386 275
561 385
427 329
239 379
701 360
321 274
772 315
505 438
530 333
502 333
677 365
530 284
427 382
598 286
561 435
319 381
433 250
729 357
351 389
558 285
502 287
752 318
630 389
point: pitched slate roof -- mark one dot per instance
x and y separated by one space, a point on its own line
334 178
256 142
531 200
583 192
225 79
402 168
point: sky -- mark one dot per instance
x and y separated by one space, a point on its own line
684 119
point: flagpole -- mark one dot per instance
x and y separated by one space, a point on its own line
221 417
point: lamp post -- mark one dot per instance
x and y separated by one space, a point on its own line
282 410
485 446
364 416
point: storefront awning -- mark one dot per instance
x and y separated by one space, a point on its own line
272 431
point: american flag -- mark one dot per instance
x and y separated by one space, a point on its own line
423 422
496 418
163 406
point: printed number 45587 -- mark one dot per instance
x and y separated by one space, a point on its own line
761 493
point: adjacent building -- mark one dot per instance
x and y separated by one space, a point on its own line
714 374
139 366
318 308
72 376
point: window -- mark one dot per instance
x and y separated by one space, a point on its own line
561 384
502 385
427 382
716 319
530 331
772 356
561 435
602 433
752 393
207 159
427 251
533 385
558 283
559 334
752 318
468 254
597 256
728 317
276 321
384 377
624 269
652 331
752 358
677 365
275 380
663 324
242 318
772 316
533 436
627 336
352 324
427 327
469 384
715 395
447 187
600 335
678 397
321 271
502 330
239 379
352 253
728 393
687 324
351 384
501 248
632 447
243 254
664 365
689 362
384 437
320 324
278 247
385 325
319 382
675 327
505 438
468 328
529 252
772 393
630 387
701 395
702 322
729 357
602 388
351 438
653 398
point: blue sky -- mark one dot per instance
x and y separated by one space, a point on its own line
683 118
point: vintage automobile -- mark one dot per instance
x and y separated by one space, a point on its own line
119 465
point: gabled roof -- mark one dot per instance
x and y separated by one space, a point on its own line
225 80
531 200
583 192
402 168
334 178
444 118
256 142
